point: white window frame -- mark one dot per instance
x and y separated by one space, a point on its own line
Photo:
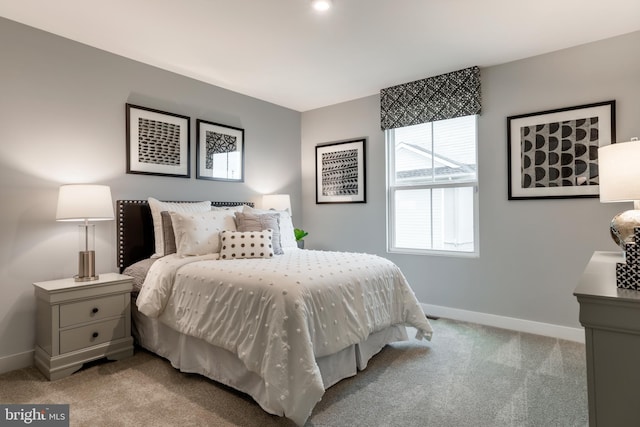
390 203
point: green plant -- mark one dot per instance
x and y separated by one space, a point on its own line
300 234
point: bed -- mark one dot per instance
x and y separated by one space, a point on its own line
281 324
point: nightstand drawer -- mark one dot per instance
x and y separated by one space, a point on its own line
89 310
86 336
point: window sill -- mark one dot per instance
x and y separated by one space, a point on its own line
451 254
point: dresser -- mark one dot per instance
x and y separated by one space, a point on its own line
77 322
611 318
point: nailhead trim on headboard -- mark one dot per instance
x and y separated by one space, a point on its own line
124 245
120 227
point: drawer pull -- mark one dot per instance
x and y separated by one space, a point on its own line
95 335
95 310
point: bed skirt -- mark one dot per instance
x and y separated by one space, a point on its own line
193 355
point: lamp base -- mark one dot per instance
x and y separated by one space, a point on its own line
85 279
623 226
86 267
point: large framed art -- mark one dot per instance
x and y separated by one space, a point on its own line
554 154
157 142
340 172
219 152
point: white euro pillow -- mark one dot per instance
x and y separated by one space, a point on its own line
157 207
198 233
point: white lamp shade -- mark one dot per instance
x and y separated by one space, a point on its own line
279 202
619 172
321 5
79 202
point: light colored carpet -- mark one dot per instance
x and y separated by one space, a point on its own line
468 375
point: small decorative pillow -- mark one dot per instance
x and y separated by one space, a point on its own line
246 244
198 233
259 222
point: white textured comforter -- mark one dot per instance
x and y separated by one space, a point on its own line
277 315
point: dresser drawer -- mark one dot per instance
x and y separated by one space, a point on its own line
94 334
90 310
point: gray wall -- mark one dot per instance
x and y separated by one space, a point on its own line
62 120
531 252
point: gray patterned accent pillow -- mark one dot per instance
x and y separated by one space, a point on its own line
258 222
168 236
247 244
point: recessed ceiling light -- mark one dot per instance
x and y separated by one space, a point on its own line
321 5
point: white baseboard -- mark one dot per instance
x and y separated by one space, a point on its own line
16 361
512 323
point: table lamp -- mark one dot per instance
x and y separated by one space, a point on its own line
619 173
79 202
278 202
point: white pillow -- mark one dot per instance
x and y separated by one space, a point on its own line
287 236
198 233
157 207
246 244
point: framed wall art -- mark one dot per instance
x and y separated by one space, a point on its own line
340 172
554 154
157 142
219 152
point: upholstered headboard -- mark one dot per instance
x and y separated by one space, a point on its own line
135 230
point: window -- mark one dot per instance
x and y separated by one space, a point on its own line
432 187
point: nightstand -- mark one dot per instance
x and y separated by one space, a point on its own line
611 320
78 322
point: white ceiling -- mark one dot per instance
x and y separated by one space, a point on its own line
283 52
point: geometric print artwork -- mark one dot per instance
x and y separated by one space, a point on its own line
442 97
218 143
219 152
158 142
560 154
554 153
340 173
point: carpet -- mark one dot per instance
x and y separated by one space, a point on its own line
468 375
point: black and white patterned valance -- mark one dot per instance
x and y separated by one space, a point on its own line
441 97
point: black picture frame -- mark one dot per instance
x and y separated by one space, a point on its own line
554 154
219 152
341 172
157 142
